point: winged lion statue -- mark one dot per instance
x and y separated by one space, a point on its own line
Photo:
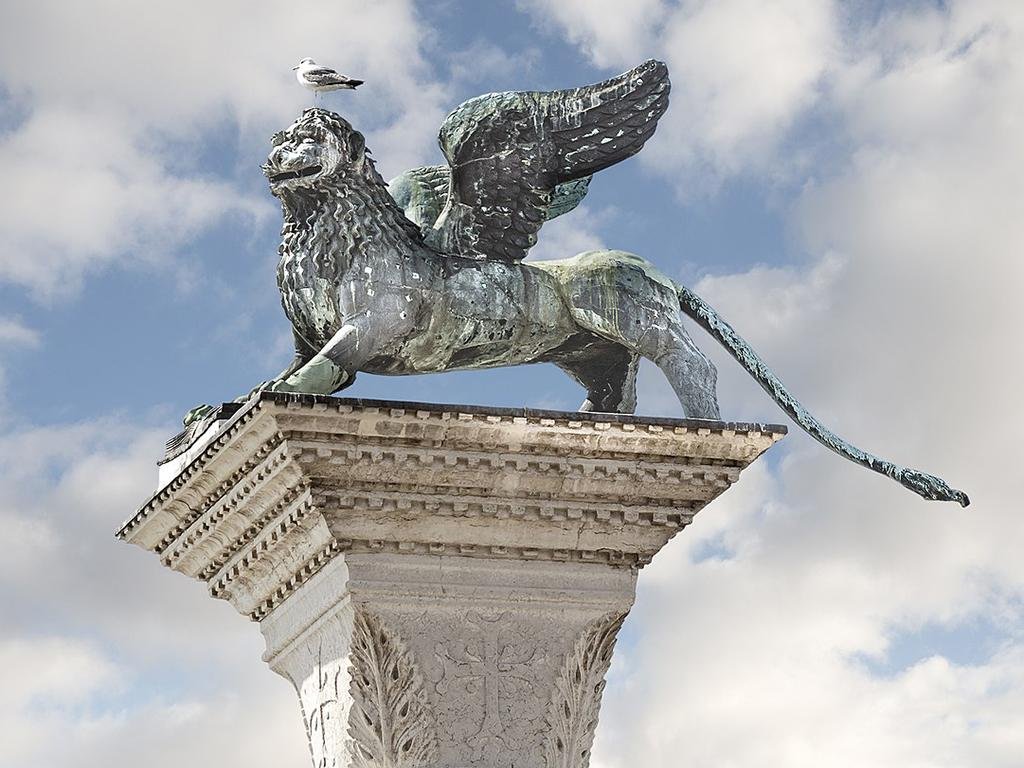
427 273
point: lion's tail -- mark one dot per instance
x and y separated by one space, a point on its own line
925 485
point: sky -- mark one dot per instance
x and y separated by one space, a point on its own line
843 181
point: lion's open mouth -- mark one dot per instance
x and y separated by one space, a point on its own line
287 175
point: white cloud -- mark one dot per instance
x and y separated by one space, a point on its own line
609 31
178 67
900 332
55 685
483 61
43 675
64 490
127 661
743 72
88 195
900 335
14 332
771 307
571 233
52 669
110 112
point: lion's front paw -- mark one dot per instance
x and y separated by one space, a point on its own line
263 386
198 413
320 376
283 385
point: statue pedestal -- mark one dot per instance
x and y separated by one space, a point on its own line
441 584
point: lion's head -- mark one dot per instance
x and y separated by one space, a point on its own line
319 147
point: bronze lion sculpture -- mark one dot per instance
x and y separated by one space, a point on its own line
428 275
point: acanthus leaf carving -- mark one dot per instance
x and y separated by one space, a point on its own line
576 699
390 725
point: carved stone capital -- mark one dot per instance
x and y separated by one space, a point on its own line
409 660
442 585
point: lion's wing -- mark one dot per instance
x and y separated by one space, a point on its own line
421 194
509 151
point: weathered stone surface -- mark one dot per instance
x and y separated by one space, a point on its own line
442 585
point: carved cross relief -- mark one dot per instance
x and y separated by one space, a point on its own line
492 665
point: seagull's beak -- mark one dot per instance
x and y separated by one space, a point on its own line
295 67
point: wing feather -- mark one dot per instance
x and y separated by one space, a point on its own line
421 193
509 151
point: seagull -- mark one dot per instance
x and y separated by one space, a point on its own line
322 79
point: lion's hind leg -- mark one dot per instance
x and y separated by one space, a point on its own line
608 372
664 341
625 300
692 375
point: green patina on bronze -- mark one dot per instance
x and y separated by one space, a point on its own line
428 274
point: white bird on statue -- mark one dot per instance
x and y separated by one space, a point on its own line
320 79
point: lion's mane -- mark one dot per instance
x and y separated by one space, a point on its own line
345 213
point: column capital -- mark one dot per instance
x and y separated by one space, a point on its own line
442 584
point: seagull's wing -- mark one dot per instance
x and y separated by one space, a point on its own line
509 152
327 76
322 72
421 193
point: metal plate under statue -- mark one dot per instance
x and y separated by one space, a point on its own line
443 585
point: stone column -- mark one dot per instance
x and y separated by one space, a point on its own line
442 585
